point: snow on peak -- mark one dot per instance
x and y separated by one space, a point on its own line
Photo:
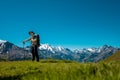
60 48
3 41
46 46
91 49
78 50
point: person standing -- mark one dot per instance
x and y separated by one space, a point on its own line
35 43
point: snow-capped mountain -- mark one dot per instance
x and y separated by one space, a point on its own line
82 55
13 52
2 41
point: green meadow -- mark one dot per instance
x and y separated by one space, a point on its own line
59 70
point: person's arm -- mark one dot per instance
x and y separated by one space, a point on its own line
26 40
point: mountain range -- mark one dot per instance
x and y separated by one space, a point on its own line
10 51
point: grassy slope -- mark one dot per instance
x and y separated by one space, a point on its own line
114 57
59 70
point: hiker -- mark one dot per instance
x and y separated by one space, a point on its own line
34 45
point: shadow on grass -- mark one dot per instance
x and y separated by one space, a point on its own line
18 77
27 76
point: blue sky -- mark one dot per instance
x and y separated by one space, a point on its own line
67 23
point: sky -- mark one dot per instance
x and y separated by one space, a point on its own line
66 23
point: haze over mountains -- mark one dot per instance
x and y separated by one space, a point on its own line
10 51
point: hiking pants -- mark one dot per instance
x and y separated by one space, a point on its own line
34 51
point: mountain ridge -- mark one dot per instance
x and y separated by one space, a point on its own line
13 52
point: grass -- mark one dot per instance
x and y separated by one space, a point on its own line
59 70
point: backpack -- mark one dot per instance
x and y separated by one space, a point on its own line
38 40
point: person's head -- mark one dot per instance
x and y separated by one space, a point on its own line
31 33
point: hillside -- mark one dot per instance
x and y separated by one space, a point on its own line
58 70
114 57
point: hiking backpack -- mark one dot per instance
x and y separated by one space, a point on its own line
38 40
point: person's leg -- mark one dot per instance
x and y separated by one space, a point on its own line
36 53
33 53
